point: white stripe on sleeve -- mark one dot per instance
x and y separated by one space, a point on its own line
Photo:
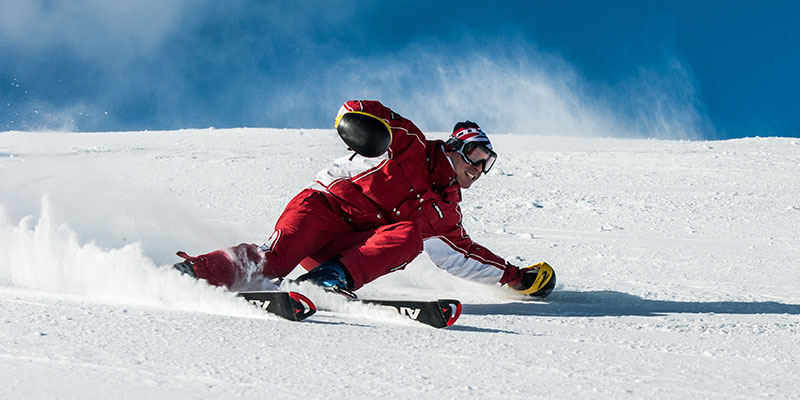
456 263
345 168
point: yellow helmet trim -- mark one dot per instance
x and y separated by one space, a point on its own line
542 278
383 121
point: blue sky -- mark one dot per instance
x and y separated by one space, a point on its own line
683 69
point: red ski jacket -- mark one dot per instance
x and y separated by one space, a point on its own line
414 180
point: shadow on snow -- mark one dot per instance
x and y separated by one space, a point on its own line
612 303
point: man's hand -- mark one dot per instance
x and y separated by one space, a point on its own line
537 280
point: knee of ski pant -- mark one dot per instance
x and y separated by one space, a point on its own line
389 249
405 233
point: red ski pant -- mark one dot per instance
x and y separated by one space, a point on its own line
311 230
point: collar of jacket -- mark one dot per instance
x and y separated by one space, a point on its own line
443 172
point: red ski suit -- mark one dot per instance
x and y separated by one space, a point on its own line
377 214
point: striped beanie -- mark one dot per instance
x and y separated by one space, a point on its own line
469 131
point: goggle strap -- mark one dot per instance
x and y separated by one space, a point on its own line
455 143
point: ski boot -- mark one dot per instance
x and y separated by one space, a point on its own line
331 276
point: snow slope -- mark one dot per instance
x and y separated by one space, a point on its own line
677 265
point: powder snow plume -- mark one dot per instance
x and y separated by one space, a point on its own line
42 255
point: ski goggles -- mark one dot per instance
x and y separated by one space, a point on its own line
475 153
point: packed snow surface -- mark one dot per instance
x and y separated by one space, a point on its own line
677 265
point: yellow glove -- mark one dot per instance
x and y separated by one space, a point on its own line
537 280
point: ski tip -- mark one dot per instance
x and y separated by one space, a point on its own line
451 309
285 304
302 305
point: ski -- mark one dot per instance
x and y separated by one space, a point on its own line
297 307
436 313
286 304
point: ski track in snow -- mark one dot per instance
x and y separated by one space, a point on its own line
677 264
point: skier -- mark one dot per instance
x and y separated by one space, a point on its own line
372 213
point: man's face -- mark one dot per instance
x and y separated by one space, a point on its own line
466 174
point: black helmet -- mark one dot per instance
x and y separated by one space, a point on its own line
365 133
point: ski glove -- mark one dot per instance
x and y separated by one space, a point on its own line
537 280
